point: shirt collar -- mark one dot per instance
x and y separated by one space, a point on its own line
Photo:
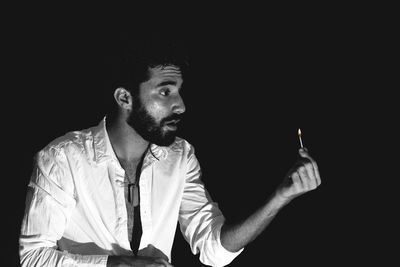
103 149
102 145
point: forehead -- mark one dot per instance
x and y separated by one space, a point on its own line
171 72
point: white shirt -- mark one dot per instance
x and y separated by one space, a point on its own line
76 214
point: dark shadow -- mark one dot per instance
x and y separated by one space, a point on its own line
92 248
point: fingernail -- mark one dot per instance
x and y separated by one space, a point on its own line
303 150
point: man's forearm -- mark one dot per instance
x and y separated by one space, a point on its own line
45 256
303 177
237 236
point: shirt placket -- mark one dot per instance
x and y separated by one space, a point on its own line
122 216
145 201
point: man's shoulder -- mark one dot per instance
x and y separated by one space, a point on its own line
71 141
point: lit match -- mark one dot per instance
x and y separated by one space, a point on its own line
301 142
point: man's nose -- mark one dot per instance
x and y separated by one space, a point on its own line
178 105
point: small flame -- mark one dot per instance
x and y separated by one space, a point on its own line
299 132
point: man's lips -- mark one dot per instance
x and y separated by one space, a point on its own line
172 121
172 124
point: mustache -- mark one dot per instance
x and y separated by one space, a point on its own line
173 117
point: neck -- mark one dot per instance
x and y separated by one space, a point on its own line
126 142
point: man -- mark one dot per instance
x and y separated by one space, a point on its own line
112 195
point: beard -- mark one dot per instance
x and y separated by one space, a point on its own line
147 126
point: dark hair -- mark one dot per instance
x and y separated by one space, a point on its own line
131 59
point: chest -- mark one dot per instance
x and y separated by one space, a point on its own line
132 170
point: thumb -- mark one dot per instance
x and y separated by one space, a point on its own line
303 152
305 156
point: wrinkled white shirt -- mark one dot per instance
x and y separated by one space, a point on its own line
76 214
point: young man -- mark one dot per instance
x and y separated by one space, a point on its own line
112 195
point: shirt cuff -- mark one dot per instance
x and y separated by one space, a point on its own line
225 255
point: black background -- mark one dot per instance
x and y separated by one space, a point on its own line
255 79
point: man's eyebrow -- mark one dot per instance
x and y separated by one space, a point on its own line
167 82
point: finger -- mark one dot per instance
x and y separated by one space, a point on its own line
311 178
298 184
303 152
304 177
316 170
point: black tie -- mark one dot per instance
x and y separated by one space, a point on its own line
137 230
137 223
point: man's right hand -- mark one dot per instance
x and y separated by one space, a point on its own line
139 261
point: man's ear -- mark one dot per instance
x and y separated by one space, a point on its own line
123 98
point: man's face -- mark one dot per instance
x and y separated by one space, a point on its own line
157 109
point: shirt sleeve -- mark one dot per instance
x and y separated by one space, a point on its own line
49 202
201 219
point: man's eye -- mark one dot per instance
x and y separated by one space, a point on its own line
164 92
